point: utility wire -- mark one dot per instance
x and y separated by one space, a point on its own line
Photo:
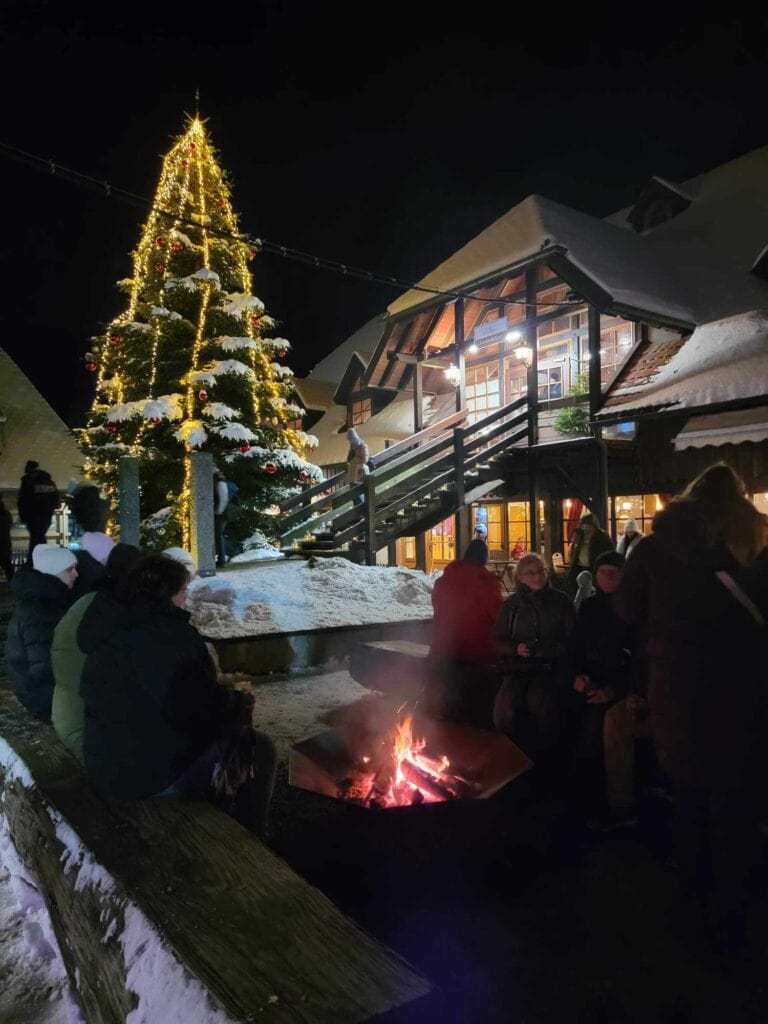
104 188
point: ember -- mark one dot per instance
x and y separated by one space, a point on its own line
402 774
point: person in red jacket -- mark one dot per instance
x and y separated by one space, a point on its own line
466 600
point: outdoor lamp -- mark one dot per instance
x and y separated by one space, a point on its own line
514 335
525 354
453 373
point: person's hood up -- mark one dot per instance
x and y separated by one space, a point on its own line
680 529
463 569
584 580
29 583
106 615
353 437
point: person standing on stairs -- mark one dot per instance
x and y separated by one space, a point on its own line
357 461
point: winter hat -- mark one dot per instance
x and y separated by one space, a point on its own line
31 465
98 546
631 525
481 528
183 556
353 437
609 558
51 559
120 560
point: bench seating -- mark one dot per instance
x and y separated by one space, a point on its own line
170 908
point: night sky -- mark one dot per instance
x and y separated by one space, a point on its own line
383 136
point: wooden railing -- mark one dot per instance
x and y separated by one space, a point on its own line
422 468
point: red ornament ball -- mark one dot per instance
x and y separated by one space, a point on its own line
159 241
175 246
115 339
245 448
185 163
252 254
270 468
303 476
254 320
221 202
111 428
282 353
312 450
159 267
156 421
90 366
192 147
202 395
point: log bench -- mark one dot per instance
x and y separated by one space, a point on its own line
170 909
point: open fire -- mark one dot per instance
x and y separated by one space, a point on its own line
381 755
401 774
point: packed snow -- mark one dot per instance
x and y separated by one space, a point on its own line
292 594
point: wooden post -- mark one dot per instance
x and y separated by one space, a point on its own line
392 553
533 501
595 397
369 511
420 543
458 334
461 521
202 547
418 399
531 341
129 500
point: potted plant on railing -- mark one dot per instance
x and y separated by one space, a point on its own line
573 420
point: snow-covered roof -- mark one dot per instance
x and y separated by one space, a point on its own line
723 361
363 342
735 426
694 267
314 394
32 430
616 260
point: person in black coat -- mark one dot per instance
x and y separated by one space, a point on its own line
533 633
6 546
156 719
43 593
36 501
589 541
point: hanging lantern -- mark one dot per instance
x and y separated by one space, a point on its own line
270 468
115 339
303 476
202 395
245 448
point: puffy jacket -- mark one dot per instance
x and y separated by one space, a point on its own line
37 498
152 702
68 662
603 644
466 600
544 618
41 600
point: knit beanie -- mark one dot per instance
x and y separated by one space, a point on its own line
51 559
183 556
98 546
30 466
631 525
353 437
610 558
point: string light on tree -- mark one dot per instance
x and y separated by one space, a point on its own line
175 344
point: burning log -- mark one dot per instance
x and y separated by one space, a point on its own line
421 780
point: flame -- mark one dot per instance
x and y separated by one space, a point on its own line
405 775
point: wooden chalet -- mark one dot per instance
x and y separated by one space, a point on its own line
566 362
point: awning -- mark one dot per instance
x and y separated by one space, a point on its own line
734 427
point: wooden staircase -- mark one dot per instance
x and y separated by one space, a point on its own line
415 484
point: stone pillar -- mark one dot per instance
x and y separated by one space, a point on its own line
202 546
128 500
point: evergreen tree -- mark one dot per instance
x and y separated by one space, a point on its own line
189 364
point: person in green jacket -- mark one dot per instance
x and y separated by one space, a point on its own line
68 659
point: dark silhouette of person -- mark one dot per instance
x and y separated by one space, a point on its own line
37 500
6 547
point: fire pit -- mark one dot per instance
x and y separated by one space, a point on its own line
382 755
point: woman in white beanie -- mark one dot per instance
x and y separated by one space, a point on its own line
43 593
629 539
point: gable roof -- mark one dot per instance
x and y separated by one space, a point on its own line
362 343
32 430
694 267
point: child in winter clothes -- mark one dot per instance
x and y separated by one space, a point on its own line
43 593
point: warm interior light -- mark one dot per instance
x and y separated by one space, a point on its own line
626 506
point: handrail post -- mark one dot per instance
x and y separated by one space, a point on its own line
369 509
458 469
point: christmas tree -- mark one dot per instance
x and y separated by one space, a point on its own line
189 365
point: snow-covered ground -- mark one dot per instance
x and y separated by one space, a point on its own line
292 594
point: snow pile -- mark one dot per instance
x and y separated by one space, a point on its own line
292 595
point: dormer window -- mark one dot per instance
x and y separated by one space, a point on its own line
659 202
